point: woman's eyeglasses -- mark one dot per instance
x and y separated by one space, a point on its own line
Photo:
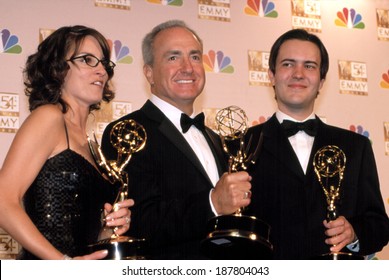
92 61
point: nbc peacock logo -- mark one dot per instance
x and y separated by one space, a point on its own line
260 120
261 8
349 18
9 43
217 62
385 80
120 53
359 129
166 2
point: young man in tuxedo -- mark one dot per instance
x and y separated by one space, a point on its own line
174 180
286 192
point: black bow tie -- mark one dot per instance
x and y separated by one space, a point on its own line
291 127
187 122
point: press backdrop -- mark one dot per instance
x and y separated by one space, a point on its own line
237 37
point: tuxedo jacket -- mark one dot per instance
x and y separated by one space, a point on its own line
169 186
294 203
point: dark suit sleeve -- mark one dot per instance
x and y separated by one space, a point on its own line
371 223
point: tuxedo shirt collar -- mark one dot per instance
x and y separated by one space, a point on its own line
301 143
171 112
282 116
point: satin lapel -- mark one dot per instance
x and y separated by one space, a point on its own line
217 150
322 139
277 144
170 131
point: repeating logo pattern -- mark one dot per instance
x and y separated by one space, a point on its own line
260 120
258 68
383 24
109 112
385 80
166 2
9 43
261 8
359 129
120 53
386 140
349 18
306 14
353 78
210 117
9 112
117 4
218 10
217 62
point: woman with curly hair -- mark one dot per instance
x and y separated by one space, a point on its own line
51 193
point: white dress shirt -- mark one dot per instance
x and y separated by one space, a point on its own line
301 142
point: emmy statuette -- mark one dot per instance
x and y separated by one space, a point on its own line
127 137
236 236
329 164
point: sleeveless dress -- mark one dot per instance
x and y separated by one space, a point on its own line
66 201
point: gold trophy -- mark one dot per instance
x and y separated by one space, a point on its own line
236 236
127 137
329 164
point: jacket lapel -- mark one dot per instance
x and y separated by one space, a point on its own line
216 147
277 144
167 128
323 138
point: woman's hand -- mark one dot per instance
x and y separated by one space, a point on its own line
119 219
98 255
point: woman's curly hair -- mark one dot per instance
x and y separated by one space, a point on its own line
46 69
